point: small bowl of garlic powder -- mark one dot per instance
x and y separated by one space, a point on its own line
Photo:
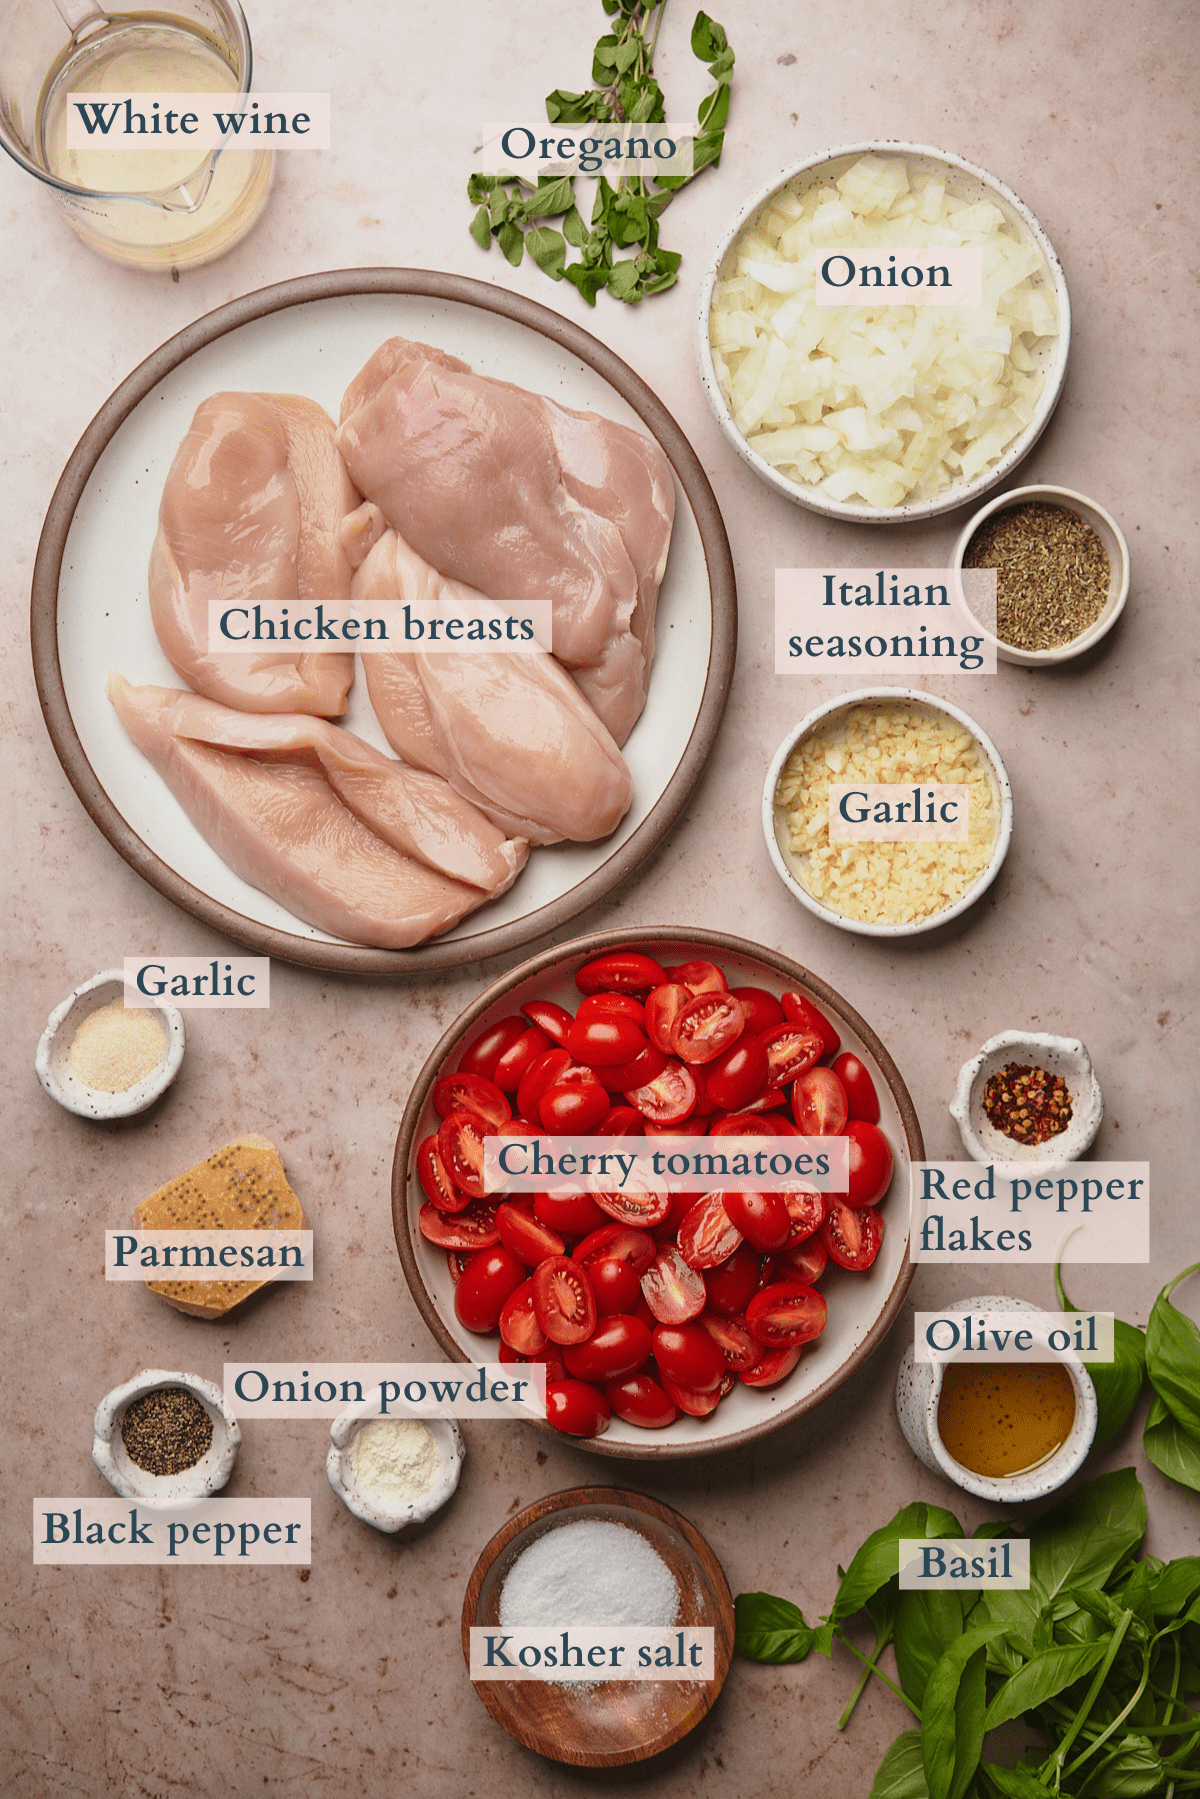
103 1059
909 744
391 1472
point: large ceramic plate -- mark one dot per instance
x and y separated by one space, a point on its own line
90 610
862 1307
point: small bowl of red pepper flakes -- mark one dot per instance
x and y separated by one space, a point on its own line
1027 1096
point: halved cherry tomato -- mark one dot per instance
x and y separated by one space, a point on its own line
481 1056
805 1261
698 977
456 1261
673 1291
688 1129
706 1236
871 1163
667 1099
563 1300
472 1228
575 1103
624 1077
616 1284
697 1405
570 1214
618 1346
786 1313
663 1007
772 1366
605 1041
739 1124
520 1056
738 1075
687 1354
434 1178
861 1097
791 1048
538 1078
732 1285
612 1005
639 1399
705 1105
470 1093
517 1127
762 1218
707 1026
460 1145
819 1103
763 1011
556 1021
851 1237
806 1209
668 1230
519 1327
629 1245
735 1342
525 1236
801 1011
484 1287
577 1408
621 971
620 1121
642 1210
769 1100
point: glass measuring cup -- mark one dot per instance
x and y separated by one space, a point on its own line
151 208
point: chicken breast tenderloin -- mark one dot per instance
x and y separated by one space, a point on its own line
521 498
251 512
343 837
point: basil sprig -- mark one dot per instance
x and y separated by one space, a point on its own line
624 217
1101 1654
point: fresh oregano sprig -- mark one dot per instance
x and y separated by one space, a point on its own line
624 217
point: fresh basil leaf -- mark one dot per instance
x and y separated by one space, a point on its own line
708 38
481 229
1173 1358
574 229
770 1629
1118 1383
823 1638
878 1561
926 1623
901 1773
952 1714
1172 1586
1132 1772
624 282
1081 1541
1016 1783
548 249
1172 1450
1043 1678
511 240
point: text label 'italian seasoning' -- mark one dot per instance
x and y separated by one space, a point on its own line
208 1255
1030 1212
386 1390
602 1652
199 984
895 619
220 1533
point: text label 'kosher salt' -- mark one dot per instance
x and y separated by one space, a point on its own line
600 1652
199 984
386 1390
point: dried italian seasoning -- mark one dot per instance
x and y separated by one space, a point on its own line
166 1430
1028 1104
1052 574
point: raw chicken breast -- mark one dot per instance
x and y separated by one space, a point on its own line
522 499
342 836
509 732
252 511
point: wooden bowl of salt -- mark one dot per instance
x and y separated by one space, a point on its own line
604 1723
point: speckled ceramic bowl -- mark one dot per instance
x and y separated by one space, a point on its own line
919 1389
370 1506
1065 1056
202 1480
53 1063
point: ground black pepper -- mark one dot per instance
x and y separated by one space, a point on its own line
1028 1104
166 1430
1052 574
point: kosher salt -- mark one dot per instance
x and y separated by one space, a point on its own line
589 1573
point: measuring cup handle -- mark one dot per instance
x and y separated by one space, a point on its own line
75 13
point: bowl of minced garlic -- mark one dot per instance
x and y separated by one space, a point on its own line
102 1059
911 745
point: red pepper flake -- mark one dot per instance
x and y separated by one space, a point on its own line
1028 1104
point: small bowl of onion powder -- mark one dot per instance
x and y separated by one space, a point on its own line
907 743
391 1472
1062 572
104 1060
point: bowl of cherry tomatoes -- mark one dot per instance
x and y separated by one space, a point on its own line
670 1323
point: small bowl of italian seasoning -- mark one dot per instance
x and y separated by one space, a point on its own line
1028 1097
103 1059
165 1436
1062 572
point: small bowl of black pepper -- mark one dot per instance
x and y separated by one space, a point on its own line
1028 1097
165 1435
1062 572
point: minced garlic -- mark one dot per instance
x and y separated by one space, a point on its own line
885 883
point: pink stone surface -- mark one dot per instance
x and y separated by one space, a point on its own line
349 1677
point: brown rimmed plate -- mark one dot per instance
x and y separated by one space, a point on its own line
612 1722
862 1307
90 611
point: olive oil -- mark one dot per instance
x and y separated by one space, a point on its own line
1000 1419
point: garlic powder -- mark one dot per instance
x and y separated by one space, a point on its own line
885 883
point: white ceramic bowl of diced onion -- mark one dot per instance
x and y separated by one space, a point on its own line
959 436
